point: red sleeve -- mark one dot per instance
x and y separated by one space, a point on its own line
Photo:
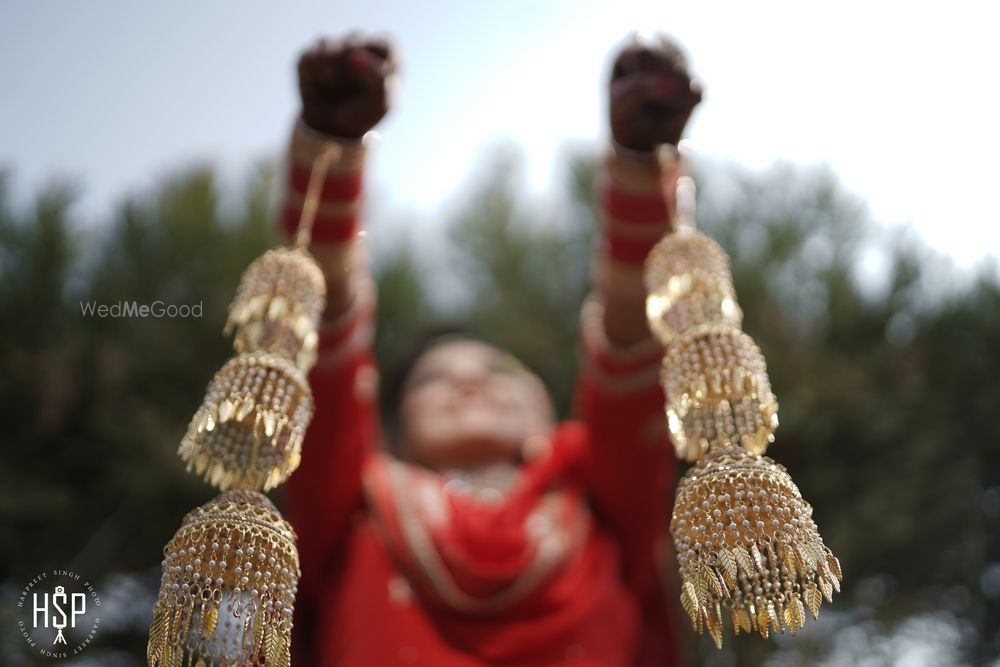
632 469
321 495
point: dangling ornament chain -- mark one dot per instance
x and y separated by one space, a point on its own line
320 168
685 203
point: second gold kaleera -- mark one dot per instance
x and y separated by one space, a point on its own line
745 540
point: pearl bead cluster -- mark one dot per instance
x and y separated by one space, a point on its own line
746 543
718 392
714 375
278 305
227 594
683 252
689 300
689 284
248 432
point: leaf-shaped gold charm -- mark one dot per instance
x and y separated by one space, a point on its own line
794 615
176 657
819 552
813 599
270 647
834 565
210 419
154 648
246 407
772 617
762 618
827 588
800 613
701 585
227 409
711 581
284 652
744 619
743 560
200 418
258 633
727 567
715 630
689 601
212 621
270 422
174 626
808 558
789 559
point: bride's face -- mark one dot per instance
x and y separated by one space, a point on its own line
466 403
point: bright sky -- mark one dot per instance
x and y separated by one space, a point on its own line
895 96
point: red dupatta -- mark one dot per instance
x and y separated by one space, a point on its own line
476 554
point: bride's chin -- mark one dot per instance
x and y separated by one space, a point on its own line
472 448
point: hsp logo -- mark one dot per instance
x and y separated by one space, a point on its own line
63 613
75 604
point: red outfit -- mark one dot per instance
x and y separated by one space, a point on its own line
398 568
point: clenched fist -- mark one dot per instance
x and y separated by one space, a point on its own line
652 94
345 85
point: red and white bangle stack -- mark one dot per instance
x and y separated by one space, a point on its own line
635 200
335 231
636 203
352 332
338 213
616 370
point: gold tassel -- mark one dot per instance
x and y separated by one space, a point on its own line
746 541
232 559
248 432
744 537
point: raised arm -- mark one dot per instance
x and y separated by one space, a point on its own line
618 396
344 94
344 87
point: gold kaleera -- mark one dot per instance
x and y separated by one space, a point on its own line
227 594
231 572
248 431
746 543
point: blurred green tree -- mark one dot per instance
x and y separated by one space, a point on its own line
887 387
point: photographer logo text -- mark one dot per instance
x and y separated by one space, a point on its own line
59 613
